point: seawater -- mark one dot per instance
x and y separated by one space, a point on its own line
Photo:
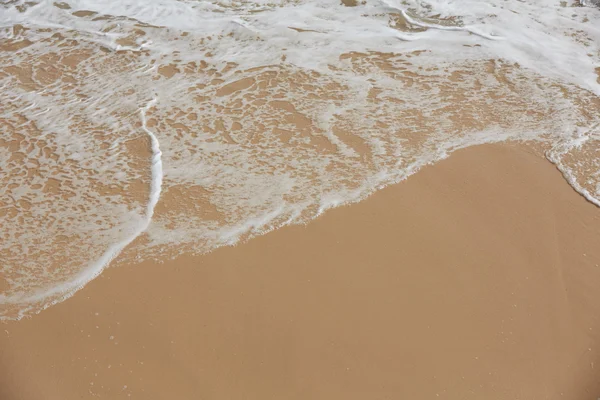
144 128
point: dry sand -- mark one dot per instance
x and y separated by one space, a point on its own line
475 279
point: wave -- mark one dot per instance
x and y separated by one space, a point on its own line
270 114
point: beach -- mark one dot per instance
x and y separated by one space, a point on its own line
299 199
475 278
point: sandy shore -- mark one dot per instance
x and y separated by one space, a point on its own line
475 279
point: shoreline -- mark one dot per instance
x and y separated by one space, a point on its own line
117 258
474 278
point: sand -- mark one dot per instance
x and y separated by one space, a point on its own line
477 278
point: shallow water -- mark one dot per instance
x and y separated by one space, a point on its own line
134 128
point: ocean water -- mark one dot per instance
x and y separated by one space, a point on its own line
145 128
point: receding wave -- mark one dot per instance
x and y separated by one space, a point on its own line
145 129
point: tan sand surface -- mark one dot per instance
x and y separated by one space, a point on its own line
477 278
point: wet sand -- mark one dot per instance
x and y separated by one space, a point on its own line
477 278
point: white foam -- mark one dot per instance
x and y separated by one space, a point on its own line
556 154
64 290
